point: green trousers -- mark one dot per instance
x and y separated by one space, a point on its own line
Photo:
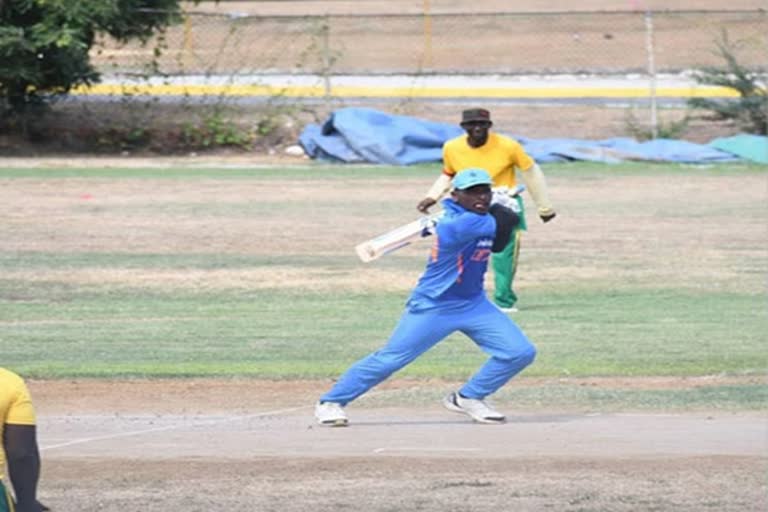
505 264
6 505
504 268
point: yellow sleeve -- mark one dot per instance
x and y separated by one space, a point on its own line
522 160
449 168
20 410
537 186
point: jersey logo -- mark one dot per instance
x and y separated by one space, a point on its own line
481 255
435 251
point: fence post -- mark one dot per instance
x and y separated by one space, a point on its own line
427 36
649 49
185 54
325 56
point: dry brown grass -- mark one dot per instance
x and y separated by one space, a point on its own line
656 231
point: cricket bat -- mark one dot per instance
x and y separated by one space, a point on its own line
408 233
397 238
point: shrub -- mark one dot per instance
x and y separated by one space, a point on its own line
673 129
750 110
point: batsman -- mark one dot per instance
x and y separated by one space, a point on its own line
502 157
448 298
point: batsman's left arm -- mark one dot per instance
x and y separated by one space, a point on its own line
506 221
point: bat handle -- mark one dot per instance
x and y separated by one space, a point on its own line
366 252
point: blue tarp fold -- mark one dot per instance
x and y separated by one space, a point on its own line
368 135
357 135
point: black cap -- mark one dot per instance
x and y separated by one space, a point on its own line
474 115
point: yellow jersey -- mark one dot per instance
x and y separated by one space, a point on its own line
500 155
15 406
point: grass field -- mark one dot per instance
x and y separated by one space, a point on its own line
649 271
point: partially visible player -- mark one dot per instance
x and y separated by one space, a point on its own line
449 297
501 156
19 450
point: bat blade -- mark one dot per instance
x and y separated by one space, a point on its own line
396 239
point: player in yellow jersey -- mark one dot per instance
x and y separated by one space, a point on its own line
502 157
19 438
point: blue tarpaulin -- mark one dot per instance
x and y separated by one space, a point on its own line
368 135
749 147
357 135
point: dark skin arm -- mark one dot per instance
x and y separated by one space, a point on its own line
425 204
506 221
548 217
20 444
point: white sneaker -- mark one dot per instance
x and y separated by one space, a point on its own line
478 410
512 309
330 414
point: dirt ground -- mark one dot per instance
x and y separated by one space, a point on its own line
224 445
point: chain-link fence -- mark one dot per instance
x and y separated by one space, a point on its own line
255 69
502 43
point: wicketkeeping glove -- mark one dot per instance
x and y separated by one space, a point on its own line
507 198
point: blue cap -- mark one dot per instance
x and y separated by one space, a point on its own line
471 177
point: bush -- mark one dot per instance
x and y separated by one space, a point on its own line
673 129
215 130
750 111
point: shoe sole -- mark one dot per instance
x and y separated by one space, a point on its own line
449 404
335 423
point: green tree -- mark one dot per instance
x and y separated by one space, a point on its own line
44 44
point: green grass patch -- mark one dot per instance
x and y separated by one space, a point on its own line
66 331
634 319
322 171
573 396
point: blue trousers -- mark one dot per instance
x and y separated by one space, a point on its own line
416 332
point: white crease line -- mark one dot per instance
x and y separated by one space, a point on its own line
203 423
382 450
170 427
111 436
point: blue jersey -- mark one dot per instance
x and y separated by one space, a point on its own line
458 260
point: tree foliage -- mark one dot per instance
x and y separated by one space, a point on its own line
750 110
45 44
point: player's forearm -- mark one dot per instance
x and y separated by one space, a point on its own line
506 221
20 442
439 187
24 474
537 187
